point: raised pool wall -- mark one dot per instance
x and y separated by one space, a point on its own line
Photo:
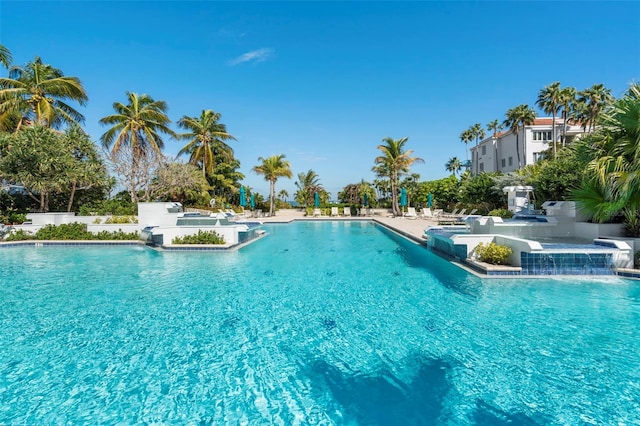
534 259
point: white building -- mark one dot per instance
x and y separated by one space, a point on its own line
499 153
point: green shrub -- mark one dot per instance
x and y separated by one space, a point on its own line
202 237
503 213
19 235
70 231
637 260
493 253
121 220
65 231
631 224
118 235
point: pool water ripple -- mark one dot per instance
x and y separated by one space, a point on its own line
318 323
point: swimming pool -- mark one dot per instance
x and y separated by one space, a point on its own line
319 322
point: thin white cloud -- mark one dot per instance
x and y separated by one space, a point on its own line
255 56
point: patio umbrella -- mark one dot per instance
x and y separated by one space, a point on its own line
403 198
365 200
252 201
316 200
429 200
243 198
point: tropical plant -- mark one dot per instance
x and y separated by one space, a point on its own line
595 98
206 139
273 168
466 137
283 194
454 165
477 132
308 184
38 93
494 127
394 163
5 56
181 182
40 160
549 102
614 170
138 124
516 119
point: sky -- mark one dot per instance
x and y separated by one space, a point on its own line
324 82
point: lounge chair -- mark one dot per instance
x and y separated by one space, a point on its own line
347 211
334 211
426 213
317 212
473 212
364 211
452 214
461 213
410 213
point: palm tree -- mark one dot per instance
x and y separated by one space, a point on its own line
272 168
5 56
137 124
38 93
549 102
308 184
477 132
596 98
206 138
494 127
517 118
283 195
466 137
454 165
567 98
393 163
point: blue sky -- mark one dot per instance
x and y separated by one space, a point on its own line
324 82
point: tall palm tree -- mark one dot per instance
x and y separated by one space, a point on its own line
273 168
454 165
393 163
597 98
308 184
5 56
494 127
517 118
477 132
549 102
206 138
38 93
466 137
137 124
567 98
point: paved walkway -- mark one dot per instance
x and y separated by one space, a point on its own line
412 228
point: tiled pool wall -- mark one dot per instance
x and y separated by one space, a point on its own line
537 263
567 263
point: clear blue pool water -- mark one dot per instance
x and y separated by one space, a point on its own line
318 323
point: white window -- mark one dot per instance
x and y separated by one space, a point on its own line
482 167
511 161
484 149
504 162
537 156
542 135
